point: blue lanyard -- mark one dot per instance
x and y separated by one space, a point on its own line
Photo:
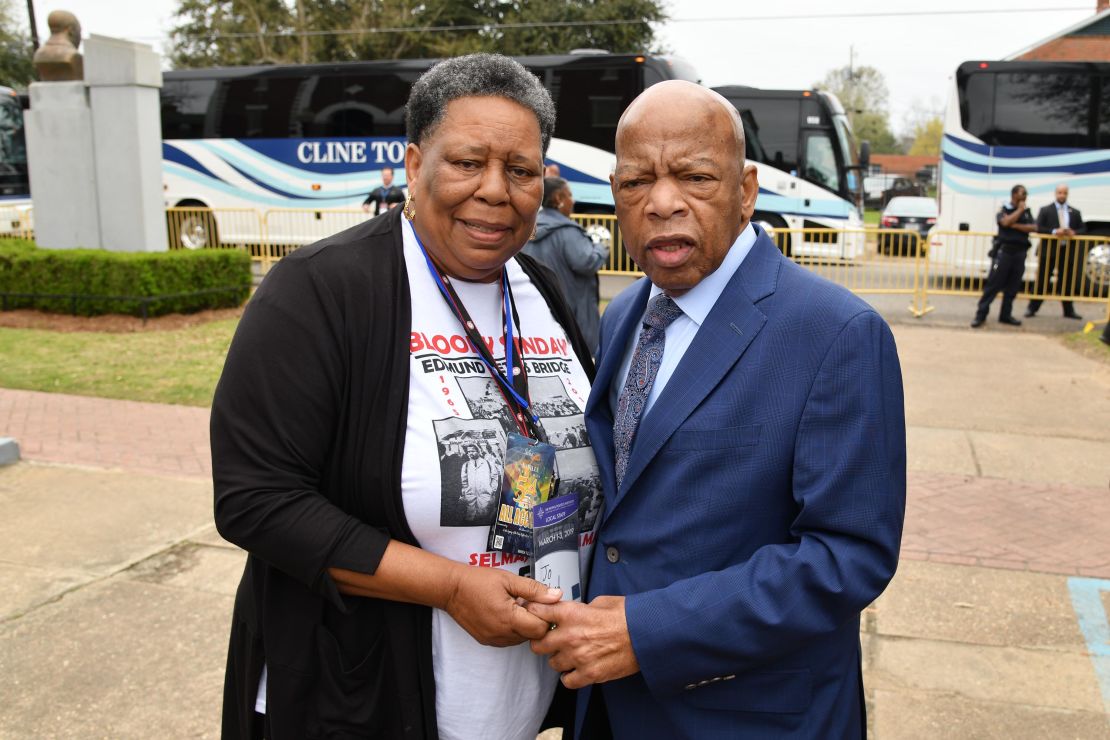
471 330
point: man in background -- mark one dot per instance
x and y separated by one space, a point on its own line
563 245
388 194
1015 224
1059 255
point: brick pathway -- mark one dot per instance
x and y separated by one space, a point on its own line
78 430
950 518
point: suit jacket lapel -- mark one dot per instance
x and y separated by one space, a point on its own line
599 415
727 332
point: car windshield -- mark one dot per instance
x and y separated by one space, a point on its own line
911 207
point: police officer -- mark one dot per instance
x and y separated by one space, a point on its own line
1015 224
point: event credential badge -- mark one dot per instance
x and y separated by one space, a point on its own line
529 479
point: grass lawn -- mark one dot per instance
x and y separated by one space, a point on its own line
871 217
1088 343
175 366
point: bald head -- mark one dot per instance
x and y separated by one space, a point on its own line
681 189
688 105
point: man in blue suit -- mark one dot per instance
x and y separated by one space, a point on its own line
749 425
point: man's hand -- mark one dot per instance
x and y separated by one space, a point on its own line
589 643
365 208
484 602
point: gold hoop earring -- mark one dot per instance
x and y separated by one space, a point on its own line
532 238
409 211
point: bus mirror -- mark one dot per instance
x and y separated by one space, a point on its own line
865 155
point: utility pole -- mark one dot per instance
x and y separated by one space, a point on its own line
301 28
34 28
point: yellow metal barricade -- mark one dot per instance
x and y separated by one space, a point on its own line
290 228
17 221
869 261
1069 268
218 228
603 229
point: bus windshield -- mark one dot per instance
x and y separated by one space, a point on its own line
1034 123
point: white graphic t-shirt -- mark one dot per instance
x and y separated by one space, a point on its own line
451 478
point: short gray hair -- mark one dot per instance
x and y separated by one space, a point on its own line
475 75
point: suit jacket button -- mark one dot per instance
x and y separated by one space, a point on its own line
612 554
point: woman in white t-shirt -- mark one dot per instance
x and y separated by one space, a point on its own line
357 453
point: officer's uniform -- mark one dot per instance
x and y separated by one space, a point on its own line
1007 267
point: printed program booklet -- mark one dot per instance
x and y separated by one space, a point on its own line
555 545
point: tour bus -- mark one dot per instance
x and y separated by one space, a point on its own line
1037 124
15 192
317 136
809 168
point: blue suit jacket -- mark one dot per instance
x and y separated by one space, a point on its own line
761 510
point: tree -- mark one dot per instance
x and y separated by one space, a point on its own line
16 69
229 32
863 93
927 137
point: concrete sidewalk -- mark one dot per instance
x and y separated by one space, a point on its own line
116 590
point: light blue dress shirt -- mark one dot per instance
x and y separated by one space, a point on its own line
695 304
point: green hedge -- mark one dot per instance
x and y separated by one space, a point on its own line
104 275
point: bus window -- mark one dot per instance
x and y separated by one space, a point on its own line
1032 109
821 161
356 105
597 97
185 108
778 131
1104 114
977 104
257 107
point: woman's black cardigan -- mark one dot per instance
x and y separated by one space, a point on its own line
308 430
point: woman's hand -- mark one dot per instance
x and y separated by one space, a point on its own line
485 603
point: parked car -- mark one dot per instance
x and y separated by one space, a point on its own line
913 213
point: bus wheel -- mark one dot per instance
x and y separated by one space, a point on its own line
192 229
775 227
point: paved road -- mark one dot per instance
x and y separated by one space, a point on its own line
115 589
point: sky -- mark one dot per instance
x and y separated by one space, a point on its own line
736 42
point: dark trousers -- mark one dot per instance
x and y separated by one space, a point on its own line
1005 278
1063 258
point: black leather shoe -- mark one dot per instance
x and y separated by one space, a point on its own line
977 322
1074 316
1009 320
1104 339
1030 313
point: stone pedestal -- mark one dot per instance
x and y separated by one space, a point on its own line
61 165
96 171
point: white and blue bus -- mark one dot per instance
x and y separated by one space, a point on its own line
317 136
1037 124
809 168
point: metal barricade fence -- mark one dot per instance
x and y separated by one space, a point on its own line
218 228
290 228
603 229
876 261
17 221
1070 268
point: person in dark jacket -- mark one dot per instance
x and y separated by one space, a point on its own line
563 245
370 606
1015 224
1058 254
388 194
